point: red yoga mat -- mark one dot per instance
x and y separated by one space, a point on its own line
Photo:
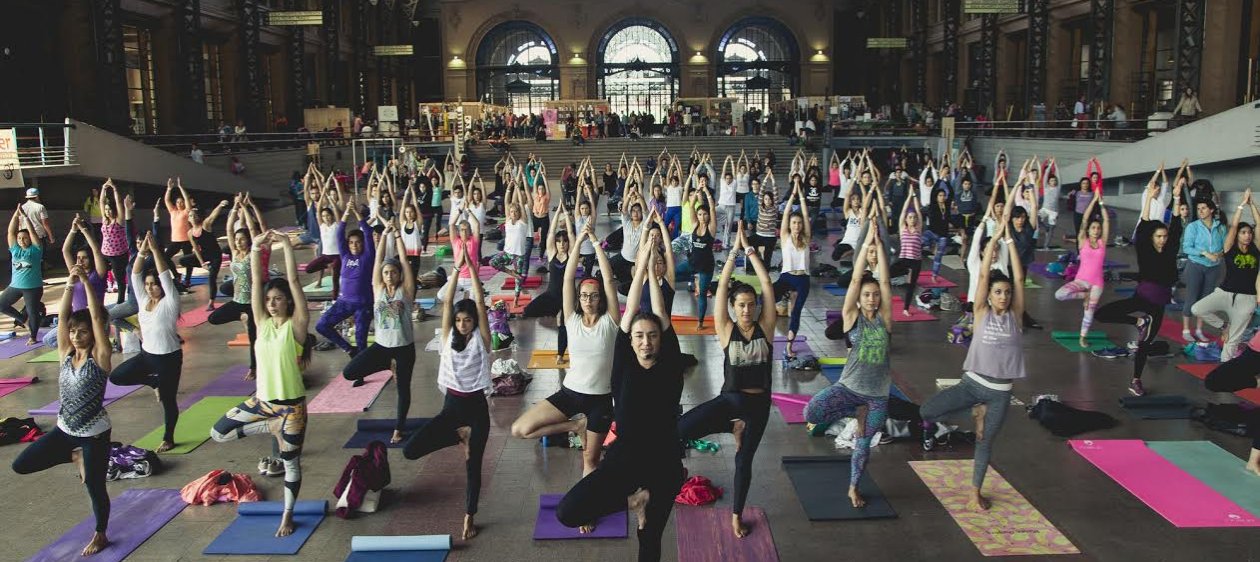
926 282
1171 329
518 308
193 318
531 282
1201 370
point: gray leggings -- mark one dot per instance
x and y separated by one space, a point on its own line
961 397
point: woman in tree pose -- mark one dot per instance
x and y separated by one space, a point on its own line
794 236
1091 242
242 280
114 244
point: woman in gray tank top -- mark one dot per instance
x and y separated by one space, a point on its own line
994 360
862 391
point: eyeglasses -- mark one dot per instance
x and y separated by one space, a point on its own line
588 296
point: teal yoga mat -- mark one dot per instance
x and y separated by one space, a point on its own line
1214 466
414 548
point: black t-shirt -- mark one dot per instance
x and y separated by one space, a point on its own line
1155 266
1240 270
702 253
813 195
647 400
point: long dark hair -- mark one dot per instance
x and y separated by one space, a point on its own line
467 306
281 285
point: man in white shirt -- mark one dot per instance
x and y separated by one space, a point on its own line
196 154
36 220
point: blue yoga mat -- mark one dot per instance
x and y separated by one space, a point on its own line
411 548
370 430
835 289
254 530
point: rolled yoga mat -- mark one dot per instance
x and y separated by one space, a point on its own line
400 548
231 383
17 346
547 527
112 393
254 529
340 396
821 485
1159 407
370 430
134 516
1176 495
704 535
1010 527
1214 466
9 386
193 427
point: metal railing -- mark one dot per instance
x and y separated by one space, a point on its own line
1091 129
44 145
218 143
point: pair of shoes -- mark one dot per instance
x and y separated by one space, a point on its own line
268 466
1136 388
324 345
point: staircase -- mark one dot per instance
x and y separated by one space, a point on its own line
557 153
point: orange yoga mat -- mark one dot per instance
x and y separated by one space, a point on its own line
242 340
689 326
518 308
546 359
1201 370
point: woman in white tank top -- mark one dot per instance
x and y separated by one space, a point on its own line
794 236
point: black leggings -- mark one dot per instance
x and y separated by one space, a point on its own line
912 267
1120 312
1237 374
189 261
542 225
426 228
158 371
376 358
54 448
33 307
715 416
622 269
604 492
457 411
118 265
175 248
767 244
231 311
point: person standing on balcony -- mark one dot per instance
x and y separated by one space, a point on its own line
35 218
1188 108
196 154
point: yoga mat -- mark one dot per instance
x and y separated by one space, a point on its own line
426 302
370 430
916 314
791 406
926 282
1165 407
1161 485
1126 291
317 288
689 327
1030 284
134 516
241 340
399 548
50 357
1010 527
704 535
231 383
339 396
821 485
1040 269
545 359
1214 466
531 282
1069 340
832 372
1201 370
254 529
832 360
9 386
799 346
835 289
518 308
17 346
112 394
193 427
1171 330
1113 264
547 527
193 318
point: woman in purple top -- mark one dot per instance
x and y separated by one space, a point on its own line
358 254
994 360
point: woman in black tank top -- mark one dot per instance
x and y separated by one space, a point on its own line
747 361
702 238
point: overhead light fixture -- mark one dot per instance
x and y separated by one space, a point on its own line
819 52
698 54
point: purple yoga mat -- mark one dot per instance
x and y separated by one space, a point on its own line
134 516
704 535
799 346
548 528
1040 269
231 383
112 394
17 346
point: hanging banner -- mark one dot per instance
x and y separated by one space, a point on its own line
991 6
887 43
10 169
393 50
311 17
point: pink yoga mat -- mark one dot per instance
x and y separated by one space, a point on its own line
704 535
916 314
193 318
925 281
9 386
341 397
791 406
1179 497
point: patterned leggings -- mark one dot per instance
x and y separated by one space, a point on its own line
1079 289
504 262
835 402
285 418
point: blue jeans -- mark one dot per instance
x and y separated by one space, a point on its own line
702 292
799 283
673 220
933 239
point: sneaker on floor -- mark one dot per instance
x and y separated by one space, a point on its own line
1131 346
1136 388
324 345
1111 353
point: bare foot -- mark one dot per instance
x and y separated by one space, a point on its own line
977 415
738 526
397 437
636 503
98 543
579 428
76 457
464 433
855 498
585 529
249 375
164 447
1254 468
978 502
470 530
906 312
286 524
737 429
1084 343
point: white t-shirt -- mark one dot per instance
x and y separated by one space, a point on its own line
587 247
852 230
514 234
1159 204
157 326
846 184
726 193
741 183
591 354
36 214
630 238
673 196
328 243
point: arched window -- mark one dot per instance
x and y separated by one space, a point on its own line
758 62
637 67
516 67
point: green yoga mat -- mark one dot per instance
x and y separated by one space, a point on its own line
50 357
194 425
1069 340
1214 466
1030 284
317 286
748 280
832 360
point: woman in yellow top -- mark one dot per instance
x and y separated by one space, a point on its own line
278 407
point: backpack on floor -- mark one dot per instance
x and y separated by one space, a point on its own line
1065 421
126 462
1227 418
19 430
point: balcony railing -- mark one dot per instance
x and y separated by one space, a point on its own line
44 145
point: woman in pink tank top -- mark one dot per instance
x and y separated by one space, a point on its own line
1091 242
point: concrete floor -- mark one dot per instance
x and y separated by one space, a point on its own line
1104 521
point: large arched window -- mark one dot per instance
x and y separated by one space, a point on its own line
758 62
516 67
637 67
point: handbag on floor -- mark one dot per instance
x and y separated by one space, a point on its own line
362 480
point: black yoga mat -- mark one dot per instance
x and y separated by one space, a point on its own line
822 486
1159 407
381 430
